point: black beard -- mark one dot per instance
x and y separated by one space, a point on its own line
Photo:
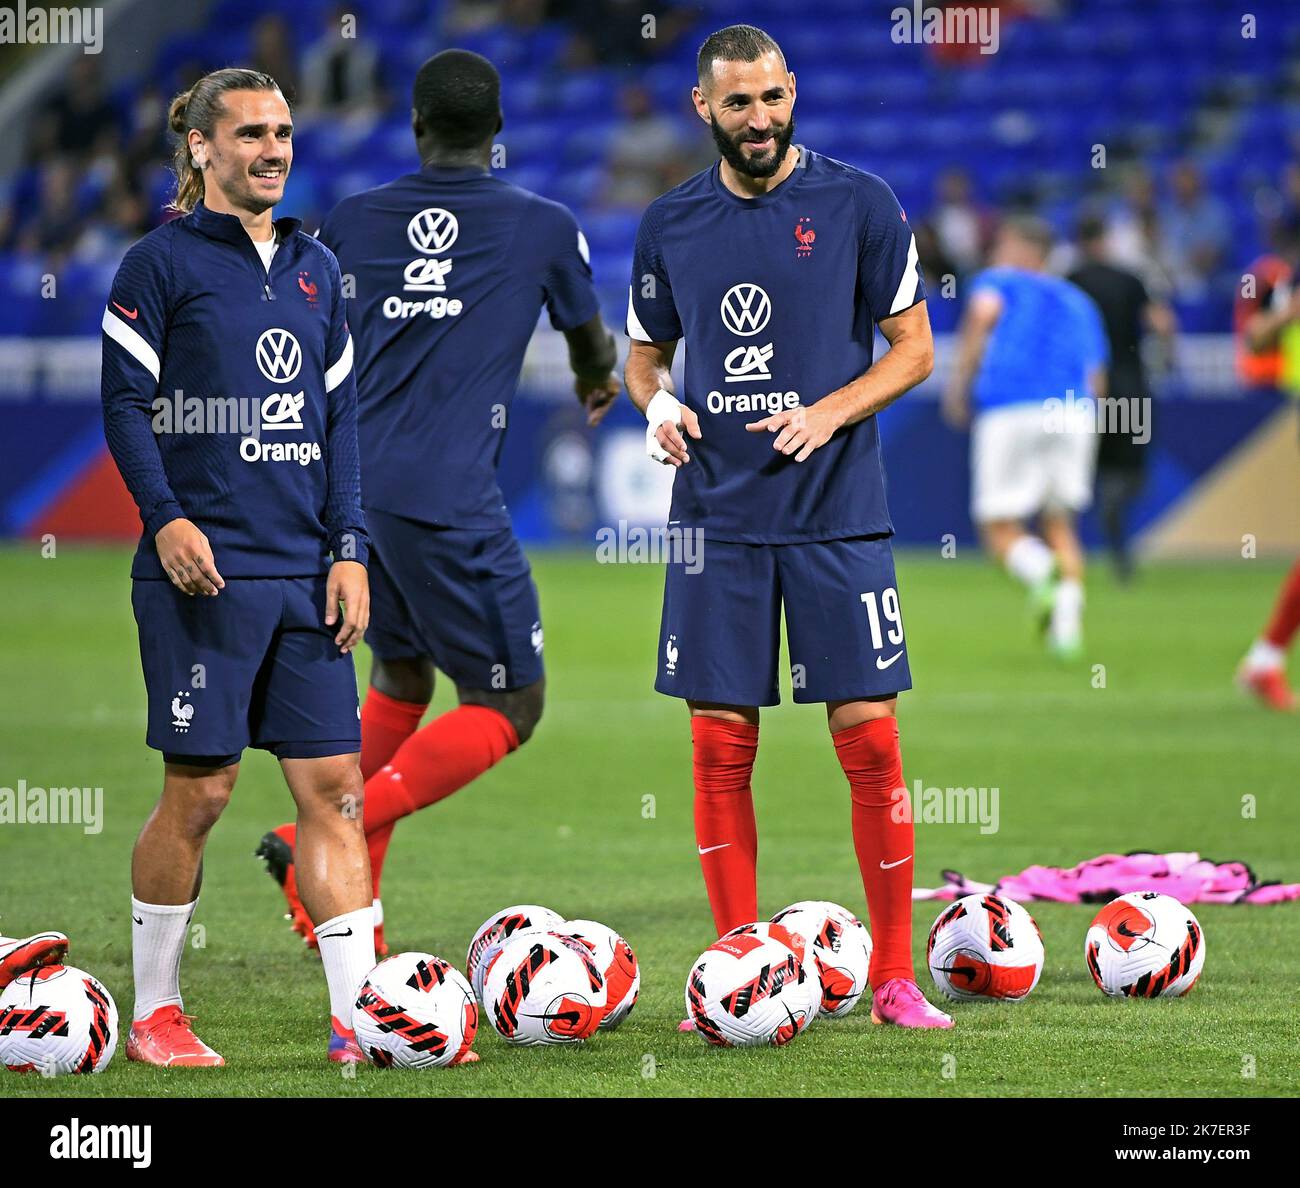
752 166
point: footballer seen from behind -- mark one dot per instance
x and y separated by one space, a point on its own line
452 266
230 409
776 265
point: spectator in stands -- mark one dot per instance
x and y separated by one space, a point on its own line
1196 232
57 222
340 75
273 53
646 155
1134 234
83 120
616 33
1128 312
960 226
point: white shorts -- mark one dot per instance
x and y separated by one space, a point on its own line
1020 466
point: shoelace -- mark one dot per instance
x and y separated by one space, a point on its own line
179 1020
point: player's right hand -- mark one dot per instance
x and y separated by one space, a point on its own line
186 558
663 436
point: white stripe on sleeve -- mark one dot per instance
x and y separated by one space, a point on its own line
339 372
905 296
132 342
634 327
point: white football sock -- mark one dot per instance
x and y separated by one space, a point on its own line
379 913
1029 560
157 942
347 949
1067 610
1264 656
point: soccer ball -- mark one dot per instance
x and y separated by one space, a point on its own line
57 1020
750 988
543 988
985 946
839 947
1144 945
618 966
496 928
796 942
415 1011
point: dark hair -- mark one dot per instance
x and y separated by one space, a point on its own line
457 95
1090 228
1033 230
199 108
735 43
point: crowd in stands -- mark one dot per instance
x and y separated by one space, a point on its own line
95 176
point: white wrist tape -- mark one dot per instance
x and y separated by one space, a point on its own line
663 406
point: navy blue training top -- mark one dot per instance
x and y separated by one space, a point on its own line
229 397
776 297
449 269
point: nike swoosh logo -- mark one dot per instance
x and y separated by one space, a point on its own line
882 663
332 935
891 865
710 849
130 313
137 920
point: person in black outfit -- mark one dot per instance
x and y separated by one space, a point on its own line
1128 311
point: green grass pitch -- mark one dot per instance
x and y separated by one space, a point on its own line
1161 757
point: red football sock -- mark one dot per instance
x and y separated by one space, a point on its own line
725 833
1286 614
882 837
435 761
386 723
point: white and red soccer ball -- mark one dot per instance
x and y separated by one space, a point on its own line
838 947
618 966
985 947
57 1020
415 1010
1144 945
499 927
752 987
542 987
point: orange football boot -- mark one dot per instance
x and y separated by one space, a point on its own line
166 1039
17 956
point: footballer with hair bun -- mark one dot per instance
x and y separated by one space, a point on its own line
249 583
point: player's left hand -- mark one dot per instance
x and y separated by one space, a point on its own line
596 399
798 431
348 584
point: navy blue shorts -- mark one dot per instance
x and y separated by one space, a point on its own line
254 666
720 639
461 597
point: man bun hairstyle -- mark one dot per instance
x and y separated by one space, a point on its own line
199 108
457 97
735 43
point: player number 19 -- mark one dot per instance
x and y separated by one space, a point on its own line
889 608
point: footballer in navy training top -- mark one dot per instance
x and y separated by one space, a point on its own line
452 266
776 265
249 586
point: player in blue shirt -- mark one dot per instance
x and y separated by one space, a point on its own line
776 266
230 409
1030 369
452 266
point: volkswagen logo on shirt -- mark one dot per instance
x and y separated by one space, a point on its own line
746 309
279 357
433 230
